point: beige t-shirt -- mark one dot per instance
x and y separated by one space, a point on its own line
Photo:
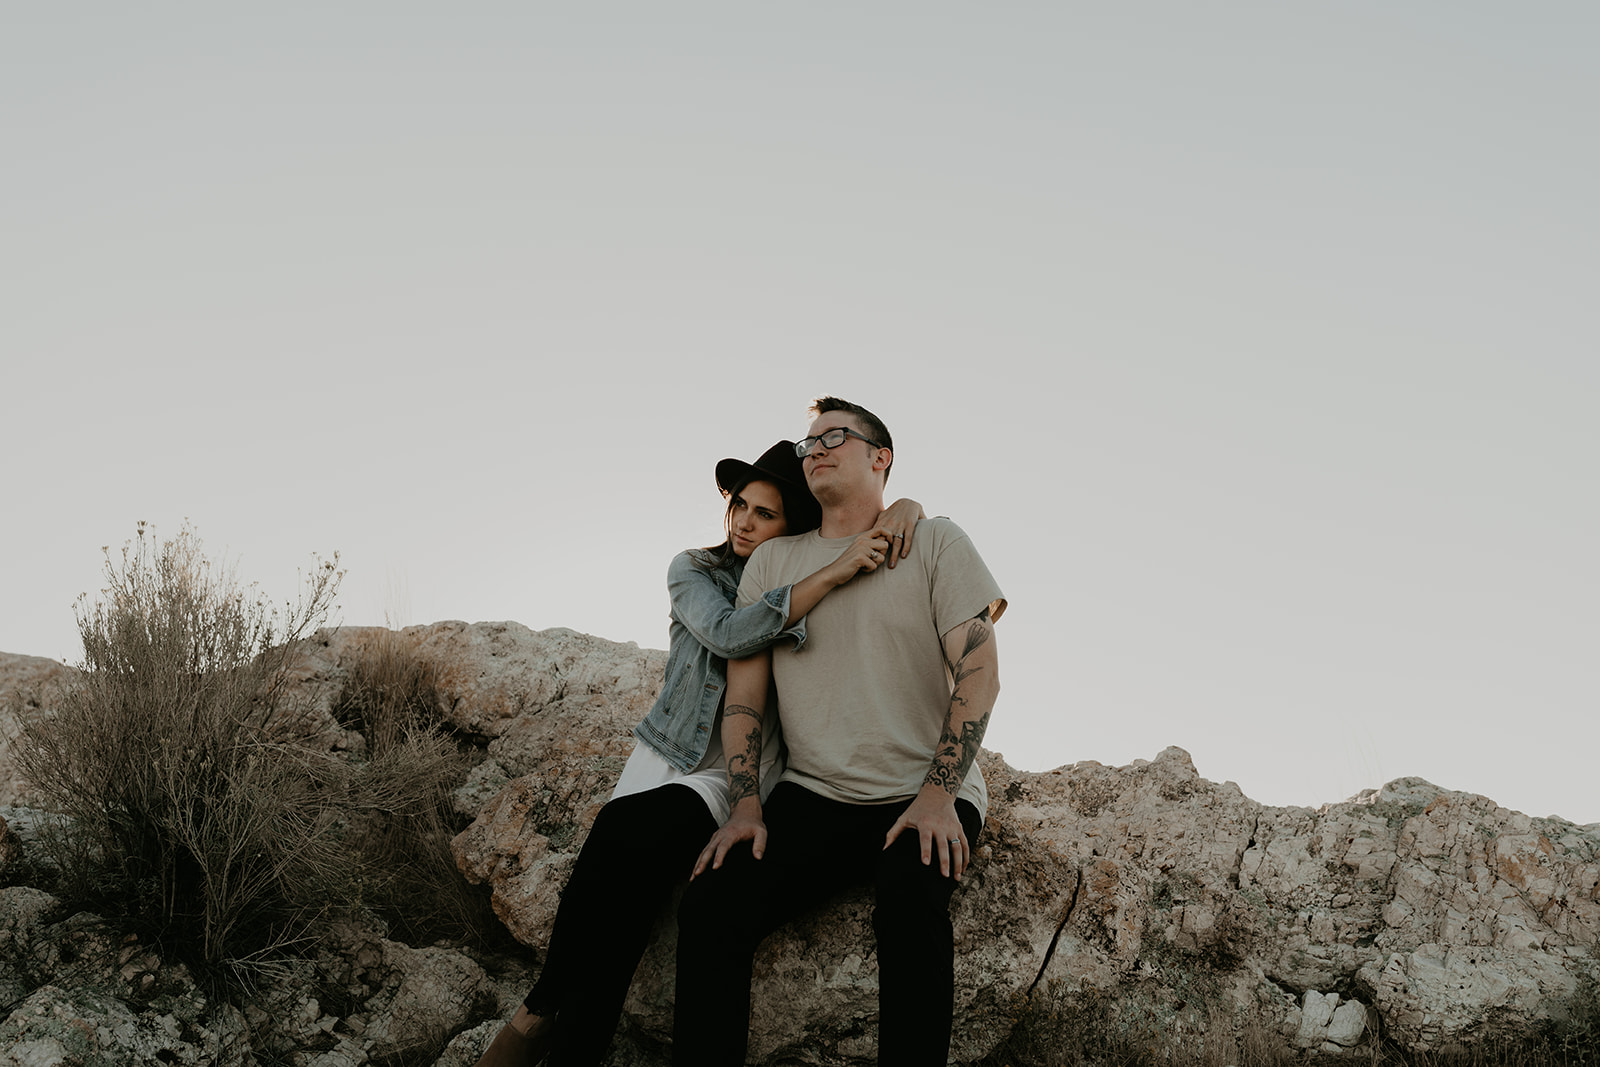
864 696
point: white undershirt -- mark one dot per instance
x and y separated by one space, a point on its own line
646 770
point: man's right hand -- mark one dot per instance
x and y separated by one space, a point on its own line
745 824
932 815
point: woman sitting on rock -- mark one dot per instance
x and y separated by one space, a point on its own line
673 792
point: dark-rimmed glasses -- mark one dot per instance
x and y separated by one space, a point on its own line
829 439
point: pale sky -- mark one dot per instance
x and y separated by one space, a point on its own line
1254 344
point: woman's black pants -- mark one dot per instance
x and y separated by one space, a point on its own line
640 847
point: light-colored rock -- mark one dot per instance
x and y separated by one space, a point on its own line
1144 885
84 994
27 683
1347 1024
1102 878
1105 878
430 994
468 1046
1328 1022
24 913
1316 1011
496 677
57 1026
1436 993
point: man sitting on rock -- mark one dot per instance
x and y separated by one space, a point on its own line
883 699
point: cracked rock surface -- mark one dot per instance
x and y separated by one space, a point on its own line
1438 913
1451 917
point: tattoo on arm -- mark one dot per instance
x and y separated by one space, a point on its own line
958 749
744 768
979 633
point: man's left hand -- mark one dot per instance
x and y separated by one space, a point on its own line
933 815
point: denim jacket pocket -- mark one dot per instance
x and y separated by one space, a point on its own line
682 686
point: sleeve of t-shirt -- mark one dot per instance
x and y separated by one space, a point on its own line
753 583
962 586
759 573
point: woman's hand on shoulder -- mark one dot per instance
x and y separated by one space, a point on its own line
863 556
897 522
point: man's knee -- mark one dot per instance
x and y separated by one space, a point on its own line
911 918
912 898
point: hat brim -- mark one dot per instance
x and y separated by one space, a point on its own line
778 463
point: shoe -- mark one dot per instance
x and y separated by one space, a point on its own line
519 1048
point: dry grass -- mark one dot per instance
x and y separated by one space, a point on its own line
1093 1028
1099 1029
410 878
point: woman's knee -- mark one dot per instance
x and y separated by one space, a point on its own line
716 905
669 819
708 893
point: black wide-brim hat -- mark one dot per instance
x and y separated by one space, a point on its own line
777 463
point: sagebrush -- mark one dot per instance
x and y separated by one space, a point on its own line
185 810
197 805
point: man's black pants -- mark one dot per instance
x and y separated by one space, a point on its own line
817 847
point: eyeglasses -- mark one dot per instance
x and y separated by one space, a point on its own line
829 439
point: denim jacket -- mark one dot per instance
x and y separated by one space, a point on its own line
706 632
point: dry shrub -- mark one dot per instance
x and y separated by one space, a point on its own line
1061 1028
391 692
181 812
1097 1028
1109 1028
403 837
186 808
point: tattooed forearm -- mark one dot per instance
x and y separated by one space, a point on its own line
956 753
975 686
744 767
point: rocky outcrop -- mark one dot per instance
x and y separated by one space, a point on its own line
78 992
1453 918
71 981
1177 908
26 684
1449 918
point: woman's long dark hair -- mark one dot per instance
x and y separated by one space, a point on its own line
801 513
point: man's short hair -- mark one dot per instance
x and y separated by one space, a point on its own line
871 425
